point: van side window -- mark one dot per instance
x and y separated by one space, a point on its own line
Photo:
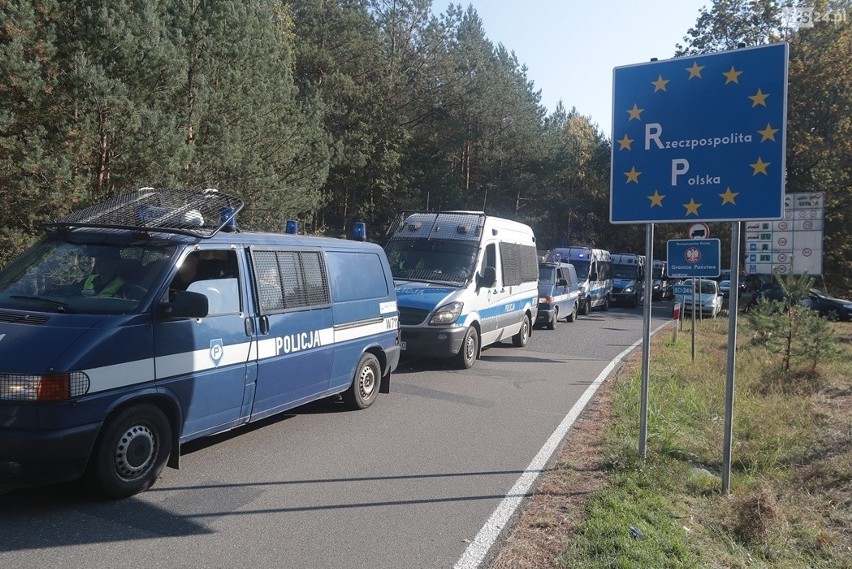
214 274
359 276
288 280
520 263
491 256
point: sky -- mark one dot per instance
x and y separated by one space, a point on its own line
570 47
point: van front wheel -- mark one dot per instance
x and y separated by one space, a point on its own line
365 385
132 451
469 349
519 340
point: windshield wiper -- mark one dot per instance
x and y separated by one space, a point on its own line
60 306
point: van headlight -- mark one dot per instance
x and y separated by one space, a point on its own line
628 289
47 387
446 314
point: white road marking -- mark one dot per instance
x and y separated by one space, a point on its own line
487 536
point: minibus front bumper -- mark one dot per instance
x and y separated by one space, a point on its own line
35 458
432 342
546 313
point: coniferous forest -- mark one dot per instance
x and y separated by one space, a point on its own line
335 111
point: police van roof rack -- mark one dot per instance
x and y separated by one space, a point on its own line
455 224
197 213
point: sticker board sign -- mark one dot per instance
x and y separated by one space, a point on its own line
682 290
694 257
792 245
700 138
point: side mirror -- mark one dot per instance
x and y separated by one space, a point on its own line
488 278
593 276
185 304
562 282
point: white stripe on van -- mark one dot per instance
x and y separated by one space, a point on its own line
365 330
201 360
140 371
119 375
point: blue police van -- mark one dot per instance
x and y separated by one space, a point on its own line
149 320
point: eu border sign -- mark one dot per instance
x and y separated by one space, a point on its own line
694 257
700 138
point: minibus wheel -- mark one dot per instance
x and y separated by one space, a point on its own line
469 349
552 324
573 315
131 452
366 383
520 339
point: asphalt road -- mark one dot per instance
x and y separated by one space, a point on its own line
407 483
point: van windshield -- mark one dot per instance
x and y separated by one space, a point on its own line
624 271
582 268
443 261
83 278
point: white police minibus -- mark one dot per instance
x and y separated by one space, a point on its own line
149 320
464 280
594 269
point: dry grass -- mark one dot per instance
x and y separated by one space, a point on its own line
789 512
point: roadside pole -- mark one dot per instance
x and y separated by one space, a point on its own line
733 312
646 340
692 299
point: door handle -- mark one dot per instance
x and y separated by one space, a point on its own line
249 326
264 325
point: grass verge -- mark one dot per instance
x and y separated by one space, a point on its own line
790 504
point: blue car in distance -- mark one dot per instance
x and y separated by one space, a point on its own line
558 294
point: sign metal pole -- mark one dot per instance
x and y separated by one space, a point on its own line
646 340
733 312
692 299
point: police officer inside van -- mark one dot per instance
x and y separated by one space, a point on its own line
105 279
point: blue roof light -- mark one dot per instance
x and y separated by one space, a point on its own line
359 231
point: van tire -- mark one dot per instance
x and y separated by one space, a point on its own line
572 316
552 324
131 451
519 340
366 383
469 349
586 308
605 305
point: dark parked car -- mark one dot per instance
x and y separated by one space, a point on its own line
827 306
